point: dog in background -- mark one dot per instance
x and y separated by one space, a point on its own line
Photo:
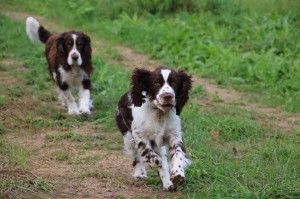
69 62
148 118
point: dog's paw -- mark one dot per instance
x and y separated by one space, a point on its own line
73 112
171 188
139 172
140 176
177 179
84 110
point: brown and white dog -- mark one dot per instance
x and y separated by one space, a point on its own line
148 118
69 62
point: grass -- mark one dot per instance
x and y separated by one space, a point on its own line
16 156
24 187
234 154
253 47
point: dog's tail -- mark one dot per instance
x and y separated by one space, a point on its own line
35 31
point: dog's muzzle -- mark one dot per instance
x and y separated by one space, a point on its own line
166 101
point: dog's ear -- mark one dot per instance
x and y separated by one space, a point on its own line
139 83
87 50
183 91
87 53
60 44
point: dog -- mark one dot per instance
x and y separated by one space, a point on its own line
69 62
148 118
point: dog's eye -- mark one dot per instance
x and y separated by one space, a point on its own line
157 84
79 43
173 84
69 43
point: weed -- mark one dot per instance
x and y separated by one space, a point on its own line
62 156
114 54
198 92
18 184
17 156
94 174
3 101
89 160
3 130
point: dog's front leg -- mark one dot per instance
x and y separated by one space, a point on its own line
164 172
84 97
69 99
147 154
179 160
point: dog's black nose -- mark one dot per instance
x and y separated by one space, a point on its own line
74 56
167 96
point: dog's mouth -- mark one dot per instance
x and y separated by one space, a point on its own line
165 107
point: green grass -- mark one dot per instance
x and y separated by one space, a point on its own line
73 136
16 156
268 162
254 47
62 156
267 167
89 160
23 187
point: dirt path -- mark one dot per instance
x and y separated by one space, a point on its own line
106 175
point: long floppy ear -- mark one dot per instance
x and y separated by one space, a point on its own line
183 91
87 54
60 44
140 83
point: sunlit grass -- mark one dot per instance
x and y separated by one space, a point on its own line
234 155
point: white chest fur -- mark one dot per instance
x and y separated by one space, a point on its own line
73 77
152 124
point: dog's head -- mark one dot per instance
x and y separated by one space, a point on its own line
164 87
75 47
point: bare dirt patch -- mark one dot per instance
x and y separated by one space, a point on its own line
92 173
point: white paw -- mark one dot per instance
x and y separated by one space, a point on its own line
139 175
139 172
73 111
62 103
84 110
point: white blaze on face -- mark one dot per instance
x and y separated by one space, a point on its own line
166 88
75 52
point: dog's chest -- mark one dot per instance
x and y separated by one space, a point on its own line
150 124
73 77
